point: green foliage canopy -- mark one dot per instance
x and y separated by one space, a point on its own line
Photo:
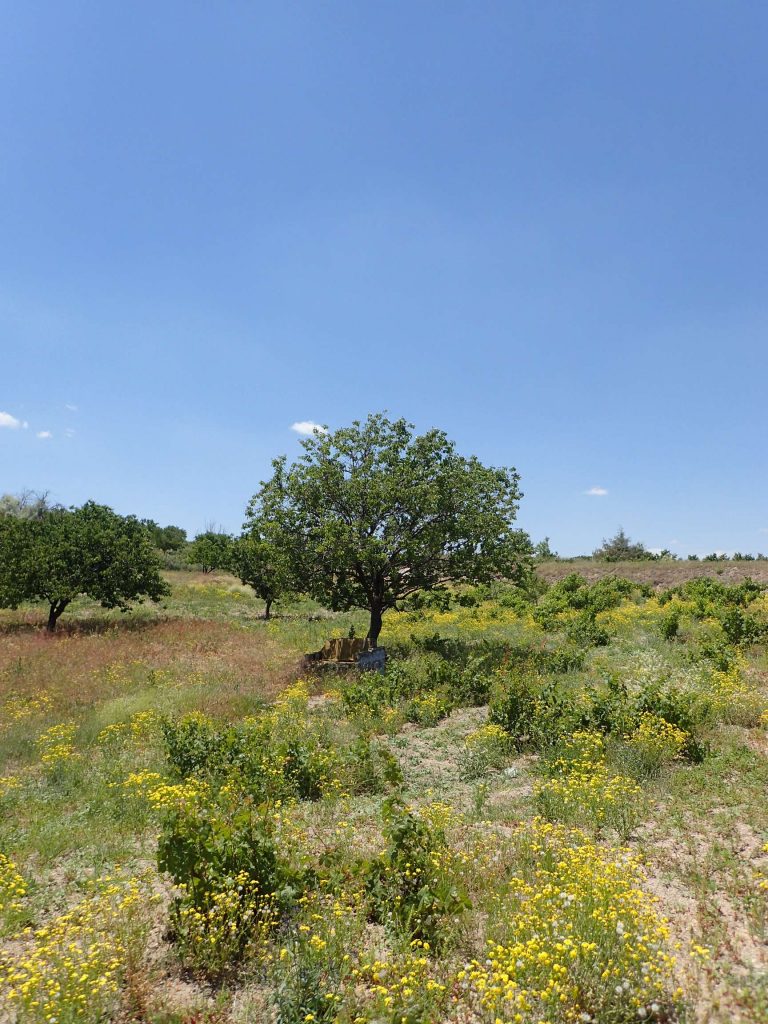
261 565
372 513
68 552
210 550
166 538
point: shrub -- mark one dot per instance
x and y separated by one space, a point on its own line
233 923
486 749
368 767
686 709
537 712
584 632
438 600
581 790
708 597
232 883
284 752
469 687
409 886
567 657
653 744
203 846
194 746
573 904
739 627
574 594
373 691
669 624
515 709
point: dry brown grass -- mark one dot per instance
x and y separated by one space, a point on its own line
73 665
657 574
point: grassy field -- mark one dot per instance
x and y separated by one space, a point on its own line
551 808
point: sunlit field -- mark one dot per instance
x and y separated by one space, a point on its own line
552 807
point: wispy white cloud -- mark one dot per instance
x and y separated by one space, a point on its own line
72 408
44 434
763 529
596 492
307 427
69 432
6 420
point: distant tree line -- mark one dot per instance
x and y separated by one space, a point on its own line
620 548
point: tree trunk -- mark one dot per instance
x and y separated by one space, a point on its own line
57 607
267 608
375 627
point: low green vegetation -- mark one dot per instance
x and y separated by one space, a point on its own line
525 818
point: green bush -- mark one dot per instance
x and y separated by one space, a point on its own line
276 756
739 627
194 746
669 624
427 685
574 593
711 598
410 887
584 632
201 847
369 767
537 713
687 710
232 884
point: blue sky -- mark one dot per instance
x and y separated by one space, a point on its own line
539 226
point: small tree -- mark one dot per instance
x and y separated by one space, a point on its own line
166 538
70 552
172 538
210 550
543 552
372 513
262 566
26 505
621 549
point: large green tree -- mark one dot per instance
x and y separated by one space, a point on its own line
373 512
262 566
69 552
